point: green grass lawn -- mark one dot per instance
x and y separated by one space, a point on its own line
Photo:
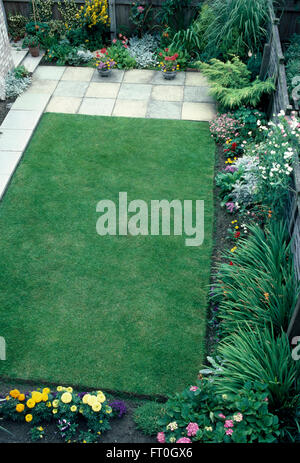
121 313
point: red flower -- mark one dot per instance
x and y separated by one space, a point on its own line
166 49
230 263
237 234
160 54
103 50
176 55
233 146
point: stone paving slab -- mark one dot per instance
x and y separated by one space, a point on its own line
31 62
62 104
71 89
18 119
139 76
97 106
30 102
18 55
8 161
42 86
198 111
164 110
78 74
14 140
197 94
167 92
103 90
135 92
130 108
49 72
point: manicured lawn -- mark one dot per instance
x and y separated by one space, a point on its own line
123 313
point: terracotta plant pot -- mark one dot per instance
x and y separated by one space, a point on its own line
34 51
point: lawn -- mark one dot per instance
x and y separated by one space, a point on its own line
122 313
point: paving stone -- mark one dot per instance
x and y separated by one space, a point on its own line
72 89
42 86
130 108
167 92
102 90
198 111
115 76
158 79
138 76
78 74
97 106
196 79
18 55
31 102
198 94
14 140
18 119
9 161
4 179
164 109
62 104
134 92
31 62
49 72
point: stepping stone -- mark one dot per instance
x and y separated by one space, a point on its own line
134 92
9 161
18 119
62 104
196 79
73 89
14 140
167 92
116 76
164 110
138 76
49 72
198 111
78 74
198 94
158 79
97 106
4 179
18 55
130 108
42 86
31 102
31 63
102 90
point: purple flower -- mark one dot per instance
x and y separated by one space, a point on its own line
119 407
230 206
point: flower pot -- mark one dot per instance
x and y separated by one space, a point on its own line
104 72
169 75
34 51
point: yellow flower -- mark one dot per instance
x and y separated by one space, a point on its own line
73 408
96 407
20 408
44 397
54 411
28 418
70 389
66 398
37 396
46 390
14 393
108 409
48 404
233 249
21 397
59 388
30 403
101 397
85 398
55 403
92 400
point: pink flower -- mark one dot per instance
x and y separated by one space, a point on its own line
114 41
161 437
183 440
229 432
192 429
222 416
140 9
228 424
125 46
194 388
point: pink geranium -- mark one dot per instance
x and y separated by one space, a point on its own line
229 432
192 429
183 440
161 437
194 388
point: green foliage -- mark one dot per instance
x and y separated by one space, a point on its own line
239 26
231 83
259 287
20 72
148 416
245 413
141 16
173 14
292 56
16 25
225 181
64 53
118 53
41 10
68 10
261 356
254 64
37 433
90 37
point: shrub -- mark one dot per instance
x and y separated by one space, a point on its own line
16 25
231 84
42 10
201 413
16 82
143 51
118 52
148 416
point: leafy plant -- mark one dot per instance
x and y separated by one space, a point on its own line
118 52
16 25
231 85
41 10
173 13
148 416
144 51
16 83
141 16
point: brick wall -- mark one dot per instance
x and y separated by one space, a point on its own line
6 61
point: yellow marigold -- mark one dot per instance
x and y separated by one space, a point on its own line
55 403
101 397
70 389
66 398
96 407
92 400
59 388
73 408
48 404
46 390
21 397
20 408
85 398
14 393
30 403
28 418
37 396
54 411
